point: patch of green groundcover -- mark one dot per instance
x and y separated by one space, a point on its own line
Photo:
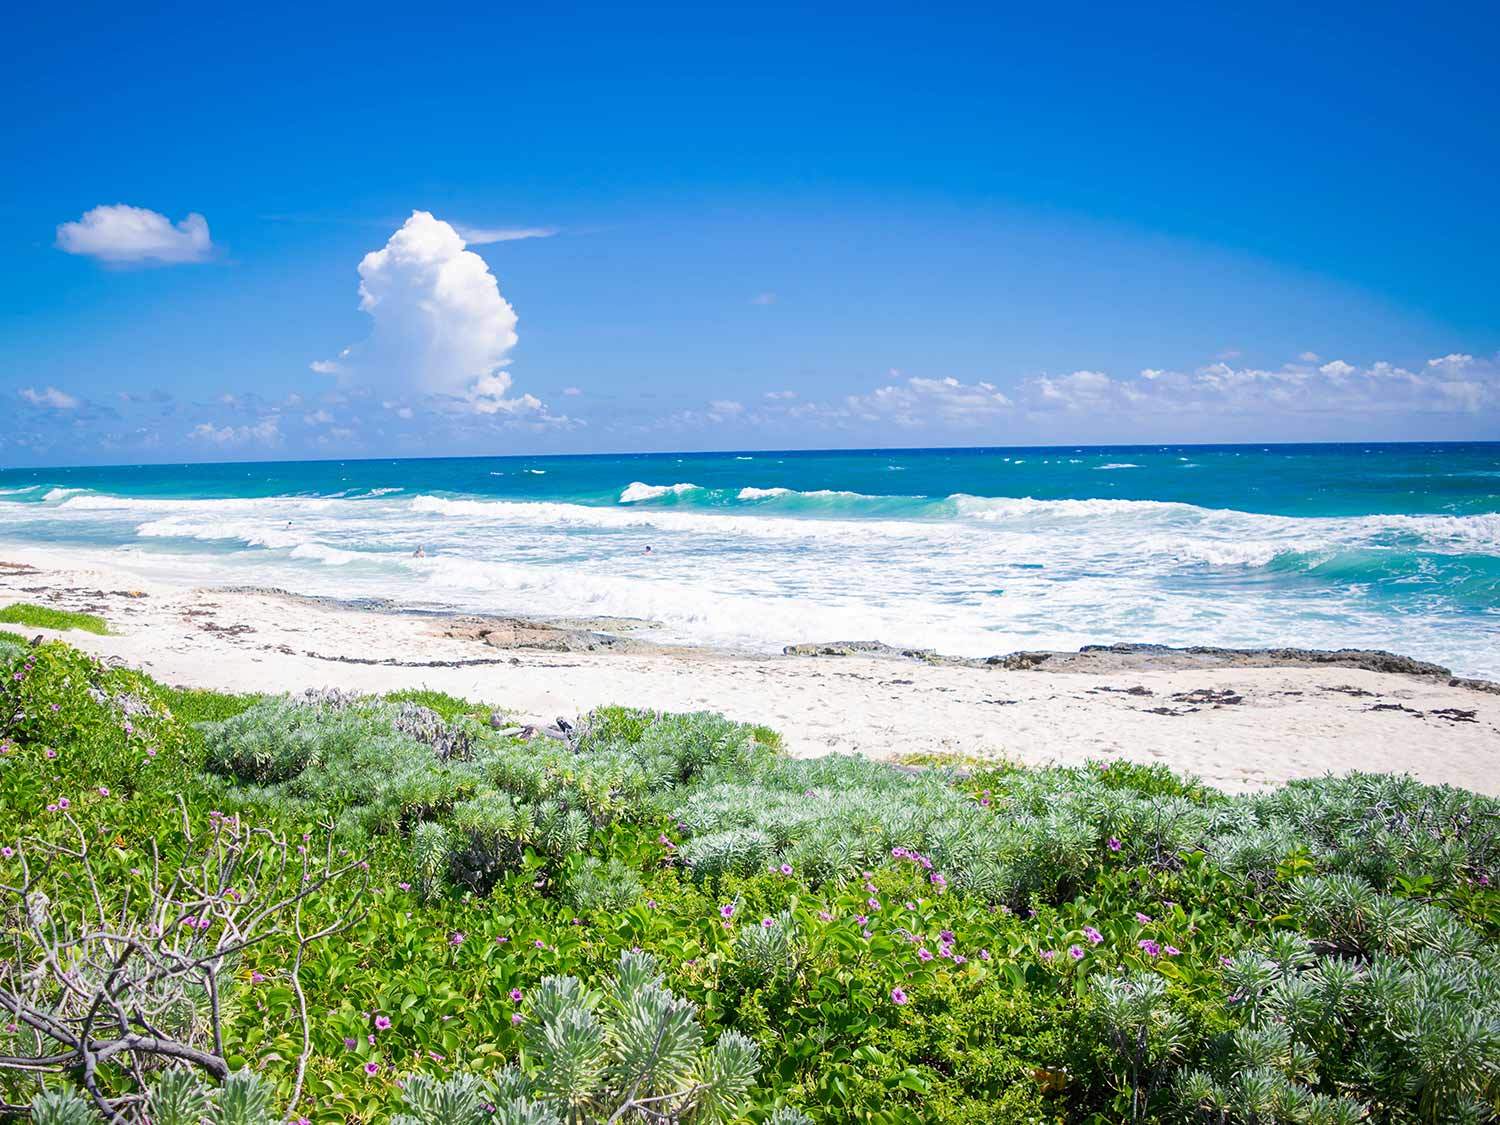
1098 944
44 617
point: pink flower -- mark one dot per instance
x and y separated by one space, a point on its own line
1143 919
62 802
7 851
984 954
873 903
898 997
1151 948
1094 936
924 954
51 753
257 977
516 1018
1047 954
786 868
372 1068
768 922
104 790
823 915
515 995
456 938
860 919
1114 844
382 1023
1075 952
727 910
1170 950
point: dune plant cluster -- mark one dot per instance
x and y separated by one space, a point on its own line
663 918
45 617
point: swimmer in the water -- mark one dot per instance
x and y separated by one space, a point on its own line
420 552
648 549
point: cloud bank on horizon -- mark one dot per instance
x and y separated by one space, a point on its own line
435 369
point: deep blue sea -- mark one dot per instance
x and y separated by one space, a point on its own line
973 551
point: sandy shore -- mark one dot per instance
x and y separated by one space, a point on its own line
1238 722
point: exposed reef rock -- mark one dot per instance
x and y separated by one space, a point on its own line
1126 658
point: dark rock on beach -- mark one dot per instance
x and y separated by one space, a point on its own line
1127 658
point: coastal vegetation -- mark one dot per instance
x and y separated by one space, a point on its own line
329 907
44 617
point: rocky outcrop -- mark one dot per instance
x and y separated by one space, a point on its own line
521 633
1125 658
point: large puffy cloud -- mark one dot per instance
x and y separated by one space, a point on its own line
124 235
441 328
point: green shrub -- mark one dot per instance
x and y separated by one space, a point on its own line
633 1052
76 718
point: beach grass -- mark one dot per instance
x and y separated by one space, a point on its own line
44 617
959 943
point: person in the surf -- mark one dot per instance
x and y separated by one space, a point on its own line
420 552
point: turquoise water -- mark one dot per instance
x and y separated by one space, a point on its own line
967 551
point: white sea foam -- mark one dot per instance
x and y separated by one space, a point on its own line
967 574
1118 465
19 491
62 493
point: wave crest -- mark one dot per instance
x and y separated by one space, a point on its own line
637 491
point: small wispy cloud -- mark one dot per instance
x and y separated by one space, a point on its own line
483 236
118 234
763 299
49 398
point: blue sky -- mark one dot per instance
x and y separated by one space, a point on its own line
763 227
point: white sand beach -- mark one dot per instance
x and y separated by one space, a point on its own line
1238 725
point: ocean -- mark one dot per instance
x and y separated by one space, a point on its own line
967 551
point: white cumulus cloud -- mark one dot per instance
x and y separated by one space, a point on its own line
267 431
123 235
441 327
917 401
